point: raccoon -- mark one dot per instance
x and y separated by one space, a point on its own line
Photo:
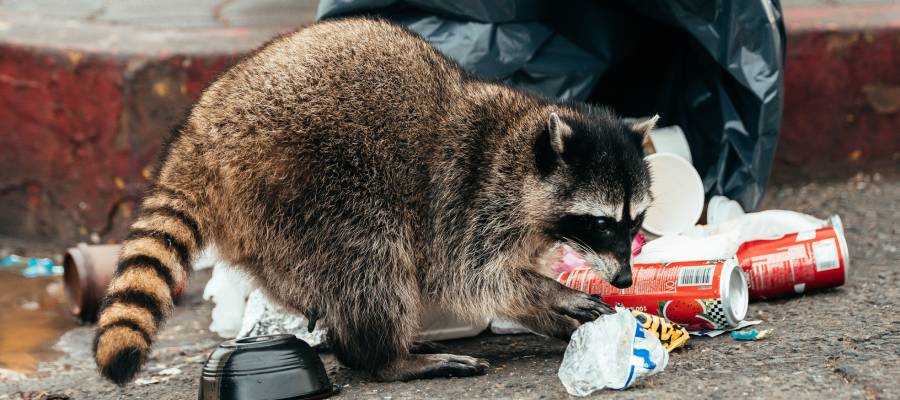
355 174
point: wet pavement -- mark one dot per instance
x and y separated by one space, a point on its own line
34 317
839 343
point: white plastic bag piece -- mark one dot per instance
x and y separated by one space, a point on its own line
502 326
263 317
228 288
612 352
771 224
437 324
714 242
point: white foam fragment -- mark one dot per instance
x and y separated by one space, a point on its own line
228 288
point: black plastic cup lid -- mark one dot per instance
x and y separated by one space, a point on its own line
273 367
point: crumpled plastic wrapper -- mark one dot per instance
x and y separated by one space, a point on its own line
263 317
670 334
613 352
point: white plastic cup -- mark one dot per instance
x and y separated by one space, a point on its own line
722 209
671 140
677 195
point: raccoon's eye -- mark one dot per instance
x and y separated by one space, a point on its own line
604 224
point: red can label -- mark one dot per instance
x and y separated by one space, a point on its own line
794 263
687 293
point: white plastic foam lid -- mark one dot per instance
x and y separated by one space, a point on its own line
677 195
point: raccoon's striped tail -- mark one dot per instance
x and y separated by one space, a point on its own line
152 268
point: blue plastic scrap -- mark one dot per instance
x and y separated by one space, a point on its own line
752 334
41 267
11 260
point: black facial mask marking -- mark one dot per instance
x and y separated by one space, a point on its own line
600 234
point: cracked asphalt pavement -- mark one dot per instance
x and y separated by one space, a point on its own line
838 343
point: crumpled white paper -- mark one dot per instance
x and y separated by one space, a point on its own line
263 317
612 352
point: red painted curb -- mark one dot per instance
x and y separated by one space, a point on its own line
81 133
842 85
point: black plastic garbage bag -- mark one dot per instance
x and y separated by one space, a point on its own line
712 67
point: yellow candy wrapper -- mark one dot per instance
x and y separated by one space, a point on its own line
670 334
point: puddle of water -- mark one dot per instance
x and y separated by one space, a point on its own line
33 315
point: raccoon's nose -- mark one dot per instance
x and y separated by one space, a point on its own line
622 280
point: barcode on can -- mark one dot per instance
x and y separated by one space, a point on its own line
825 254
696 276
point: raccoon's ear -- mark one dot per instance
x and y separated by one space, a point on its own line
559 132
642 127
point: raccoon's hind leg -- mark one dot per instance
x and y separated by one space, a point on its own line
374 323
427 347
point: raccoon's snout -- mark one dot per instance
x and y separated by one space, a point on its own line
622 279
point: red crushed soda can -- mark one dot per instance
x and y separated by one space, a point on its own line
700 295
797 262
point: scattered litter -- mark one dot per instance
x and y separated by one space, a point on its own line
169 371
41 267
242 310
30 305
637 245
501 326
12 260
671 335
54 289
437 323
699 295
263 317
147 381
797 262
722 209
752 334
708 242
612 352
34 267
717 332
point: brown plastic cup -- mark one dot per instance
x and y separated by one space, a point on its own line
87 271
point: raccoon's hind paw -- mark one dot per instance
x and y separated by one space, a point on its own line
430 366
583 307
451 365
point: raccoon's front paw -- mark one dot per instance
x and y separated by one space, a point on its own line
582 306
